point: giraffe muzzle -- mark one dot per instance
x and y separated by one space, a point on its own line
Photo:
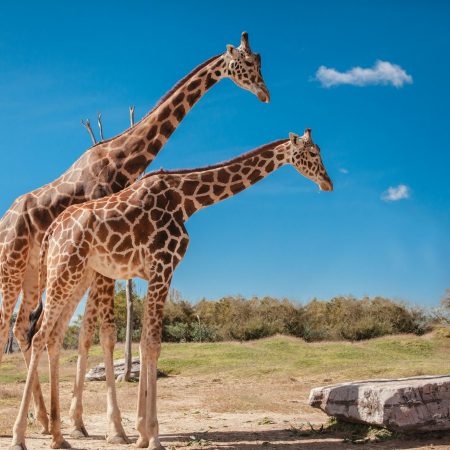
326 185
262 93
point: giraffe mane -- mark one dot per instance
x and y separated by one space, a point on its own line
238 159
163 98
183 80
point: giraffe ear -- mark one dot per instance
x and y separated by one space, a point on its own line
295 138
232 51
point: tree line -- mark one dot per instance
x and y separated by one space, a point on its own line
242 319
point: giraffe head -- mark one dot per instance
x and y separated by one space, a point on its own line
244 68
306 159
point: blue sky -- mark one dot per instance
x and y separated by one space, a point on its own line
63 61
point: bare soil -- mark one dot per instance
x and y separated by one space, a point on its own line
208 413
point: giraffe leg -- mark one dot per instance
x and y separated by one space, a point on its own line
141 415
18 440
108 337
53 349
10 287
14 256
51 315
100 304
29 295
54 346
84 344
158 289
116 433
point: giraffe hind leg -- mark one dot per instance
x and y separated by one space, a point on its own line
100 304
14 257
52 312
30 296
54 344
9 292
84 344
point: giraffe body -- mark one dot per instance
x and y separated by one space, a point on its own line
104 169
140 232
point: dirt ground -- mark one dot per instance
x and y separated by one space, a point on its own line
209 413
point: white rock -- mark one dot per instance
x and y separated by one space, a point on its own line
407 404
97 373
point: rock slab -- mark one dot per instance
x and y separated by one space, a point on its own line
97 373
417 404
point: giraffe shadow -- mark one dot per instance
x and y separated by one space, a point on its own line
255 440
287 440
44 441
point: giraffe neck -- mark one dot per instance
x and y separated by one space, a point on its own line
137 147
204 187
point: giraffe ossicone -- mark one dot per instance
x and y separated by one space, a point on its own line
140 232
106 168
243 57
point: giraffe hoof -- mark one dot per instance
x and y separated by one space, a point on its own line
117 439
44 425
79 433
141 443
44 430
60 444
154 444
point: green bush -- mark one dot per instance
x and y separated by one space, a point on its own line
178 332
201 332
71 337
352 319
237 318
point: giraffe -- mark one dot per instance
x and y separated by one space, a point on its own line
140 232
105 168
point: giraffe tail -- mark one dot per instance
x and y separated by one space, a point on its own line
36 314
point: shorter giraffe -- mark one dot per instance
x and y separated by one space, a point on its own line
140 232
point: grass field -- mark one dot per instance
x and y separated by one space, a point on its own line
393 356
269 377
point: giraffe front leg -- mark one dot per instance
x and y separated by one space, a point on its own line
141 416
152 425
158 289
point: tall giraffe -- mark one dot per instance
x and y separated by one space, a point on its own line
140 232
105 168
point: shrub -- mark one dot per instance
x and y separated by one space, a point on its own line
71 337
201 332
237 318
352 319
178 332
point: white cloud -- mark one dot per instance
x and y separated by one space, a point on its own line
383 72
394 194
343 170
